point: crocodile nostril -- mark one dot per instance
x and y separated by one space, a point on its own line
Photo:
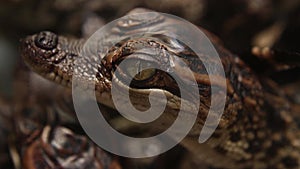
46 40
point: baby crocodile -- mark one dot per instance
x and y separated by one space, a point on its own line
257 129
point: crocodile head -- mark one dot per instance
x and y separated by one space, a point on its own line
50 55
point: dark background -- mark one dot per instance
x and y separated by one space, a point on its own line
240 24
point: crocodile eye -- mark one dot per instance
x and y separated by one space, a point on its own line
46 40
139 70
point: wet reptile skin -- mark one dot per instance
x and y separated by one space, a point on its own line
257 129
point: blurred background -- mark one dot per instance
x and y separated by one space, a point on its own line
240 24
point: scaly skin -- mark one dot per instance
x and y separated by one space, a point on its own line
256 129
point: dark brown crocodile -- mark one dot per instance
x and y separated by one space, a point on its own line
257 129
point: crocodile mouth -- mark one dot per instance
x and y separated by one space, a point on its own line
57 78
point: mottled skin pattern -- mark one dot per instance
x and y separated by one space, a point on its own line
256 129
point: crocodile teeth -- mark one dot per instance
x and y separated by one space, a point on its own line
57 79
51 76
64 82
59 72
